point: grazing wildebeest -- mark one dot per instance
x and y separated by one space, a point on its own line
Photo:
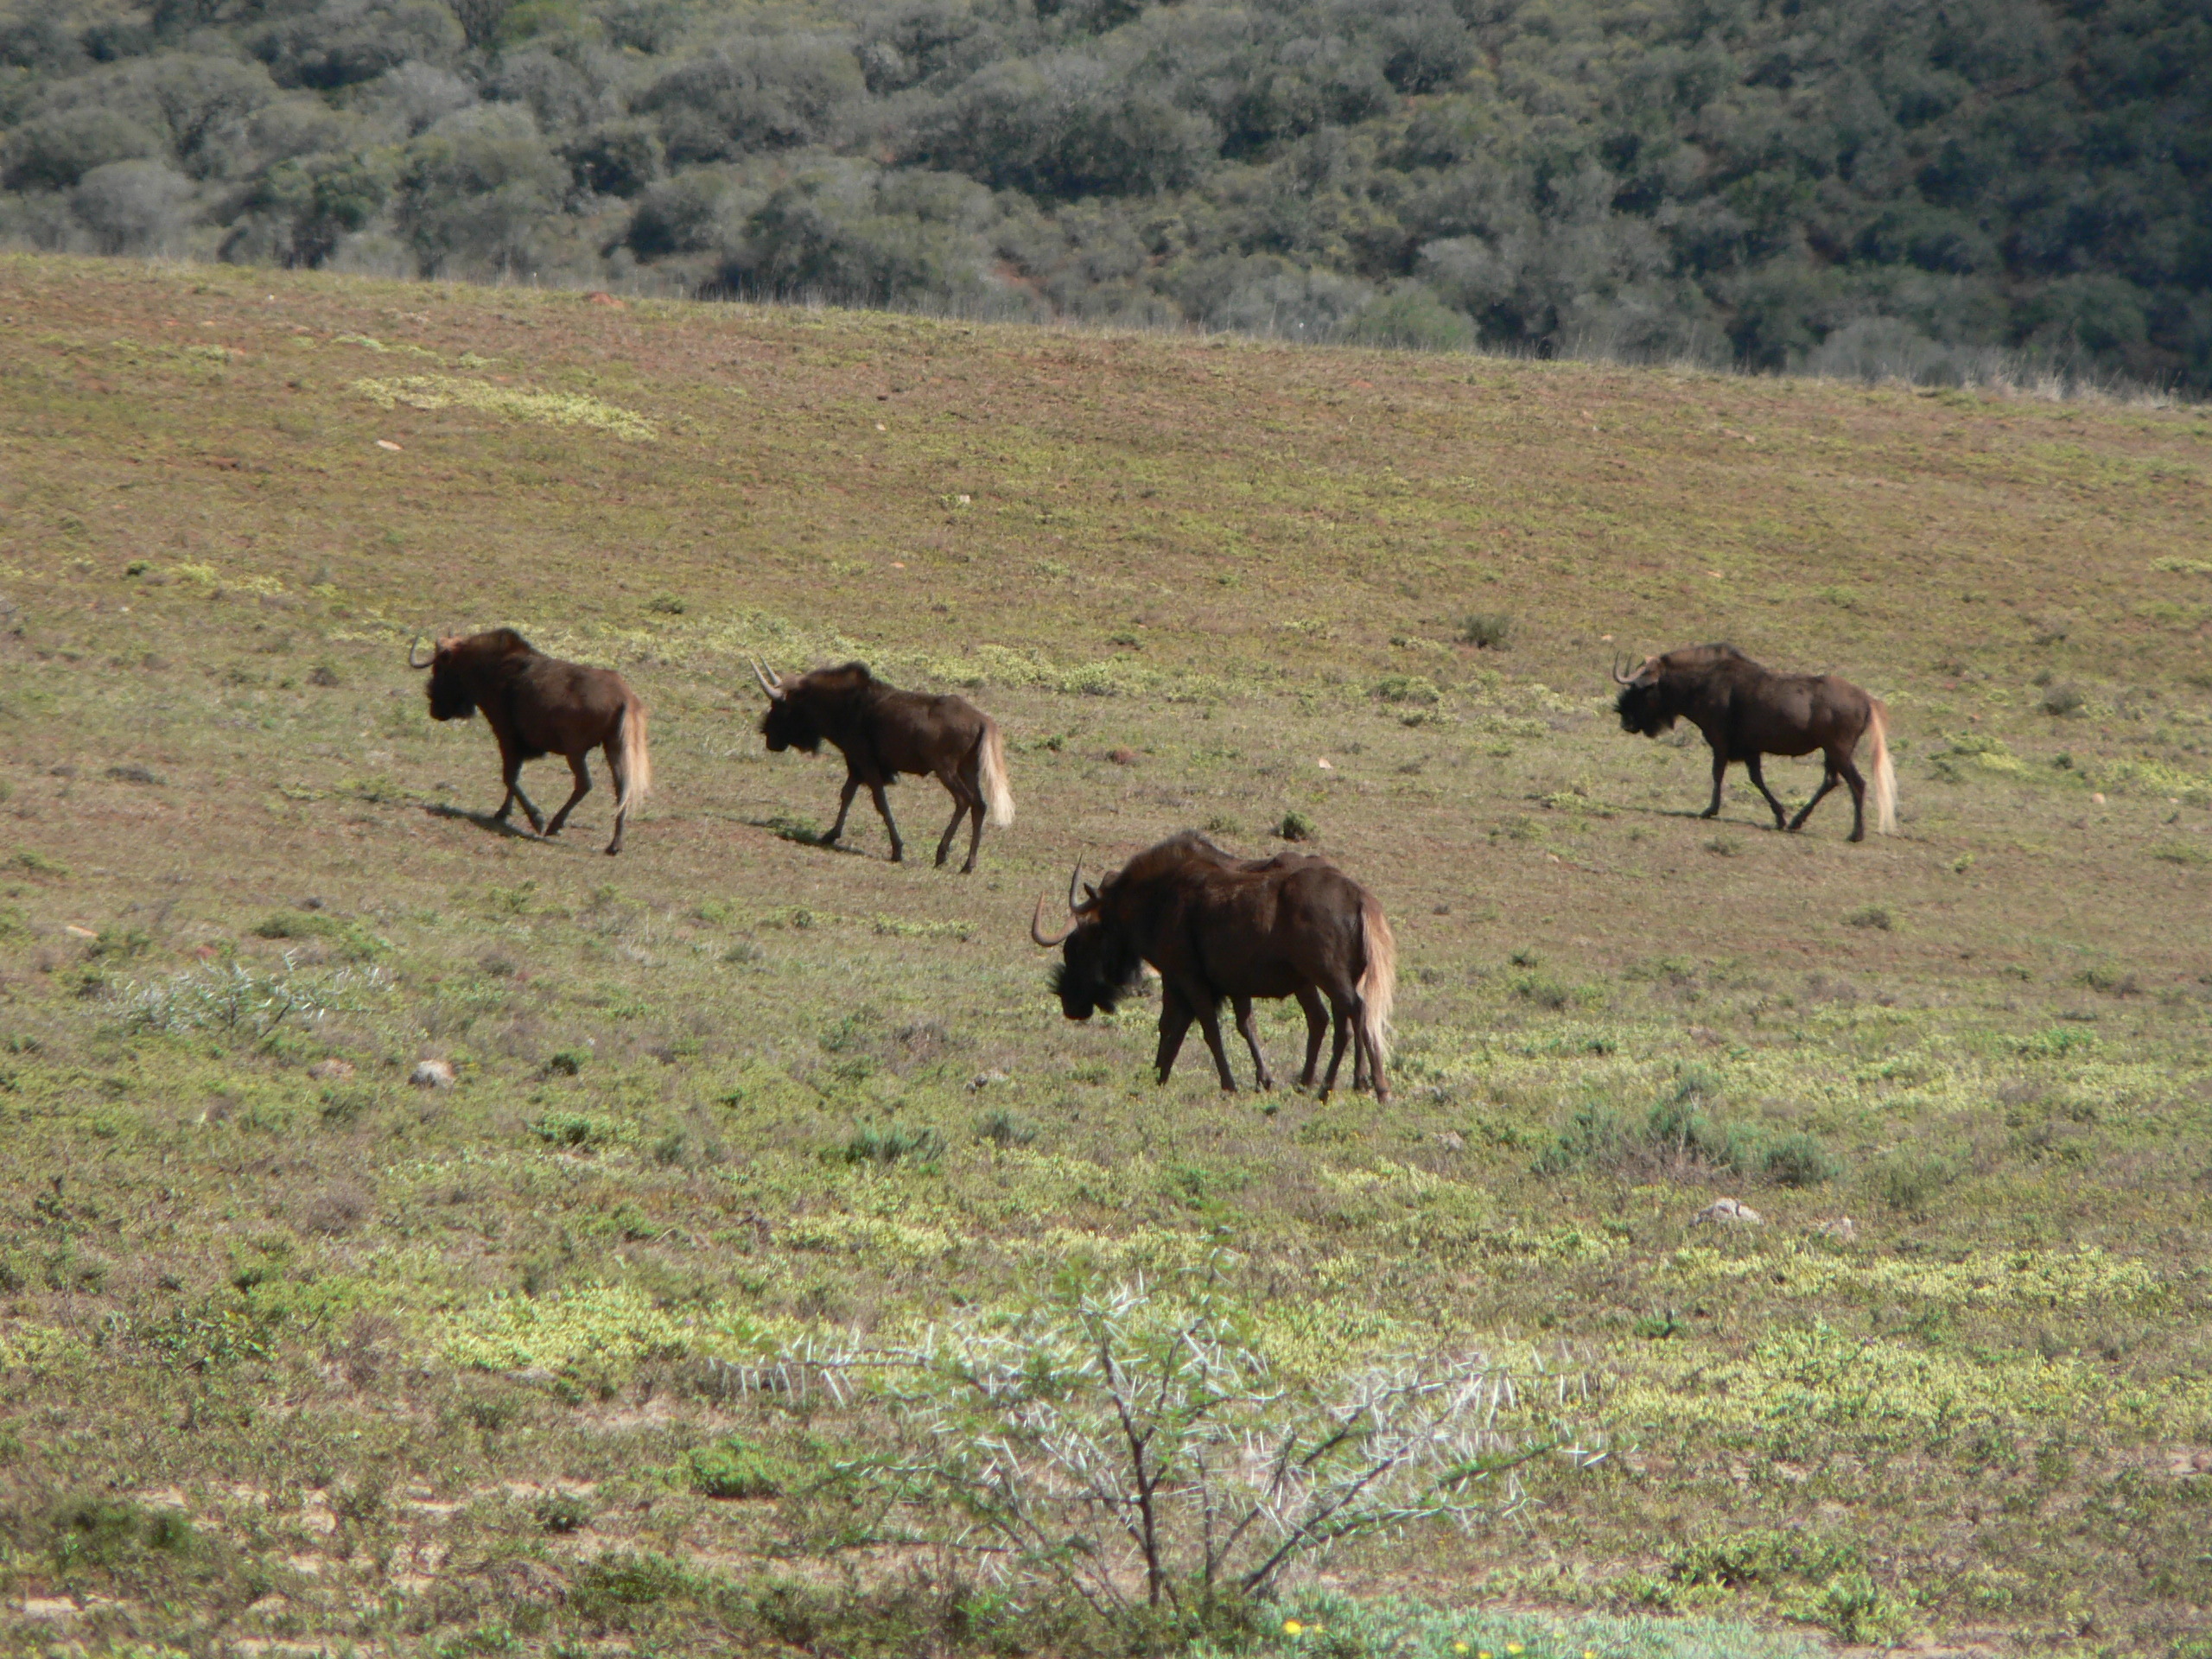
881 732
1220 928
1746 711
537 705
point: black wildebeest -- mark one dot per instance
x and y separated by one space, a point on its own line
537 705
1220 928
1746 711
882 732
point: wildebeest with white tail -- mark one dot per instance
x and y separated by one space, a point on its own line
882 732
539 705
1746 711
1218 928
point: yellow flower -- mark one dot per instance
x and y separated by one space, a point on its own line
1458 1647
1513 1647
1292 1627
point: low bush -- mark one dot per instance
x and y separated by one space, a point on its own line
733 1468
891 1143
1486 630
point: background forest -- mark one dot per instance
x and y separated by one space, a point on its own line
1856 187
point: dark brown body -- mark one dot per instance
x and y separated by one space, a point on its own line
1746 711
537 705
882 732
1218 928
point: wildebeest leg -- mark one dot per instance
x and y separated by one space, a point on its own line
1342 1016
962 803
1758 778
618 765
577 764
1316 1027
975 835
1858 801
1367 1073
883 808
1174 1021
844 806
1209 1027
512 766
1720 774
1243 1007
1806 810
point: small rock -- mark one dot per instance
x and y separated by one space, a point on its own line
1452 1141
2097 800
1122 757
985 1079
1729 1213
386 443
1843 1230
1325 764
332 1072
1706 1035
76 933
432 1074
322 674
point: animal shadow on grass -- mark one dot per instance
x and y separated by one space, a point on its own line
803 833
483 821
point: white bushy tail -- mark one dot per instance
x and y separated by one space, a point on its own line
637 756
998 800
1378 986
1885 775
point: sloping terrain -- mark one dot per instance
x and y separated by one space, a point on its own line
313 1360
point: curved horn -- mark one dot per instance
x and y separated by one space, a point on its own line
426 662
1619 678
1037 926
770 682
1075 878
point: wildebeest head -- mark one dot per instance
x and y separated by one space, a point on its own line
794 720
452 689
1644 705
1099 963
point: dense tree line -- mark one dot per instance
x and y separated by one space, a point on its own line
1903 186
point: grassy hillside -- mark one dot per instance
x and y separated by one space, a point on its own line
319 1361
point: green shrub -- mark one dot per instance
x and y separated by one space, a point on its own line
1411 318
1797 1161
562 1512
733 1468
1486 630
1593 1134
1296 826
1909 1180
1003 1128
579 1130
605 1588
1408 688
890 1143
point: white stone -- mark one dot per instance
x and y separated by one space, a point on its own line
1729 1213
